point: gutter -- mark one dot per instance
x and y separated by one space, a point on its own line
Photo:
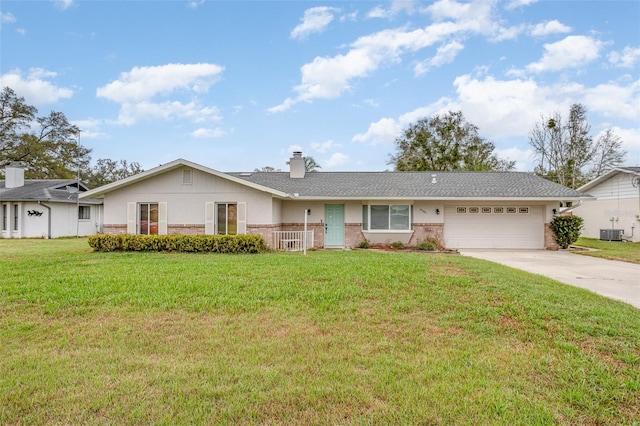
566 209
48 218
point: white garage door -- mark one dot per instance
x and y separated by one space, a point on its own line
473 226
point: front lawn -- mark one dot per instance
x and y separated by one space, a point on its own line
336 337
613 250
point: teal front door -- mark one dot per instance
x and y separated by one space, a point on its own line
334 225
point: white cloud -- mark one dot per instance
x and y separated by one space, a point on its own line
330 77
90 129
396 7
571 52
384 130
613 100
628 58
194 4
549 27
143 83
323 147
524 158
34 87
505 109
337 159
315 20
136 89
513 4
204 133
7 18
64 4
130 113
444 55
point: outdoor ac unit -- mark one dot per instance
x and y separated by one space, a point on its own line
611 234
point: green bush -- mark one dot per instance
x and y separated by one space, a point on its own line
427 245
566 229
180 243
397 245
364 244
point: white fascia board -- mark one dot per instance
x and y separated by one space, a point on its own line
605 177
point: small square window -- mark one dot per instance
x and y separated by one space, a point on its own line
486 210
511 210
187 177
474 209
461 209
84 212
523 210
498 209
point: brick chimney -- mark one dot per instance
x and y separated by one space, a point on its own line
13 175
296 166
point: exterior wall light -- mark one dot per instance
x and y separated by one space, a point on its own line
437 211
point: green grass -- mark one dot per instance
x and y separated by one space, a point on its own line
337 337
614 250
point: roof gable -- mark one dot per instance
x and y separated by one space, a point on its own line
597 181
176 164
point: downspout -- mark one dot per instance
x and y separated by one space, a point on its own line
573 206
48 218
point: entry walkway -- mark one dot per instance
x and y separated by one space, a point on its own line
610 278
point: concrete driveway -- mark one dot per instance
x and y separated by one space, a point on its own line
610 278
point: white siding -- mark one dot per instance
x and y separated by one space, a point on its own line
185 203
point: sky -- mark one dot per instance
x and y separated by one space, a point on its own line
240 85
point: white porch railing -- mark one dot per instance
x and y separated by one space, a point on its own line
292 240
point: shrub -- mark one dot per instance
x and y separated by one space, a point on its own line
427 245
181 243
566 229
364 244
397 245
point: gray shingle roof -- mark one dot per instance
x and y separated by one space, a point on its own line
368 185
51 190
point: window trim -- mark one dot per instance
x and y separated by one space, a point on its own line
367 222
216 217
82 208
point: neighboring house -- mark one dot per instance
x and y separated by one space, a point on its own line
461 209
616 205
45 208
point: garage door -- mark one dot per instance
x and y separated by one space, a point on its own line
473 226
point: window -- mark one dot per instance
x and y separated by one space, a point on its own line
365 217
84 212
4 217
486 210
523 210
461 209
148 218
226 218
511 210
474 210
187 177
383 217
498 209
15 217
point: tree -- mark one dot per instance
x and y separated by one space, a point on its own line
445 143
310 164
566 152
106 171
50 150
267 169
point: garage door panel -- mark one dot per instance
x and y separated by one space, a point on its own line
494 230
